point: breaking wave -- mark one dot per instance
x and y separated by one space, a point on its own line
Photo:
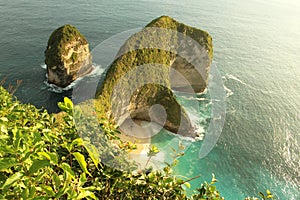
232 77
97 71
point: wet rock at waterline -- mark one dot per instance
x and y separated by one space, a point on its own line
67 56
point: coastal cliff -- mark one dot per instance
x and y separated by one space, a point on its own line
139 78
194 54
67 56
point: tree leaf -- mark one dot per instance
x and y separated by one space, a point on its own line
3 128
62 106
6 163
37 137
17 137
187 184
77 141
25 193
31 191
66 106
153 150
41 198
38 164
13 178
68 103
56 180
82 179
48 190
50 156
93 153
80 159
86 193
4 119
66 167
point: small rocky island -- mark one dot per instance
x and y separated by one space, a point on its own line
151 54
67 56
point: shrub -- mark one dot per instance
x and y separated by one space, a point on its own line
42 157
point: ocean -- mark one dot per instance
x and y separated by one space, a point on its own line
256 50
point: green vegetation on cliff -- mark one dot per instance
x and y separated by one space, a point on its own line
157 44
146 60
147 95
42 157
202 37
58 41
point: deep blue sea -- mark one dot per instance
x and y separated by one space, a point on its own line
256 49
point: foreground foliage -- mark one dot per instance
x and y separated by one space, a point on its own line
42 157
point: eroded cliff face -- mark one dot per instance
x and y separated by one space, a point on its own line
142 75
67 56
194 54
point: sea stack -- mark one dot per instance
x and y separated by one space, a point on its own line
67 56
140 78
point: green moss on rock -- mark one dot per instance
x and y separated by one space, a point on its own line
138 51
200 36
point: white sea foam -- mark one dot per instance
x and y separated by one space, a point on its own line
194 98
43 65
97 71
228 91
232 77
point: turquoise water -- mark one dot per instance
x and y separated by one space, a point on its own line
256 48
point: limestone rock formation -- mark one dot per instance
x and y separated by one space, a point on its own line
194 54
67 56
144 74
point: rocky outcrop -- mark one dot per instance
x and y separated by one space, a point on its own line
144 74
67 56
194 54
